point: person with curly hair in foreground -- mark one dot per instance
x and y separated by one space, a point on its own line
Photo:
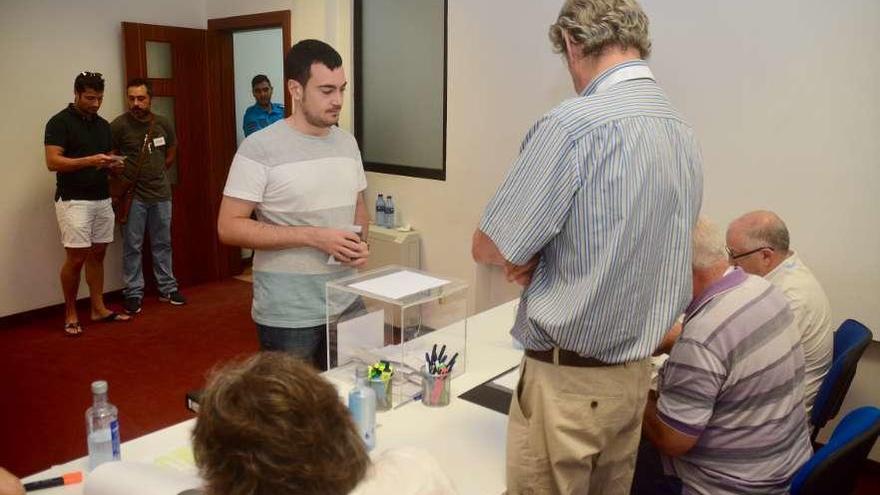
272 425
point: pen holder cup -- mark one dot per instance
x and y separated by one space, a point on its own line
436 389
383 390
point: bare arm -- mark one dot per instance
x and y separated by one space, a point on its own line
669 339
235 227
484 251
666 439
57 162
9 484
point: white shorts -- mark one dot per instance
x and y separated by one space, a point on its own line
85 222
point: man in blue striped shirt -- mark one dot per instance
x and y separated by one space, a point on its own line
594 219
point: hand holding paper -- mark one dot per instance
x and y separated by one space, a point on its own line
343 245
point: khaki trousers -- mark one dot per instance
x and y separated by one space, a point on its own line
575 430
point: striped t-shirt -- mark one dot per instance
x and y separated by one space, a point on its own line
735 380
296 179
606 189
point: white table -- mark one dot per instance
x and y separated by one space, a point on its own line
467 440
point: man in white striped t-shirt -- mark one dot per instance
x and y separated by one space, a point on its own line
594 219
304 178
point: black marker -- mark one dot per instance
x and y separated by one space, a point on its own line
67 479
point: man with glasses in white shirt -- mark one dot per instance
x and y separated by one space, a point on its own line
758 242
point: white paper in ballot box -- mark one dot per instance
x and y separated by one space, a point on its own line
140 478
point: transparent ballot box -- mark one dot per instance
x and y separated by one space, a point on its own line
397 315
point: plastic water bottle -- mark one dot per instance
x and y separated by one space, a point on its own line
362 405
389 213
380 211
102 427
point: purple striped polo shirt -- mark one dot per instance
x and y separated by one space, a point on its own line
735 379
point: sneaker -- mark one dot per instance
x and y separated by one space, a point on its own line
132 305
174 297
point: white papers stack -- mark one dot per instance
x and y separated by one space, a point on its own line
399 284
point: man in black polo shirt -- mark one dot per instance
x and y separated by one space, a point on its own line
78 151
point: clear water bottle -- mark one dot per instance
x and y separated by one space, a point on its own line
389 213
380 210
362 405
102 427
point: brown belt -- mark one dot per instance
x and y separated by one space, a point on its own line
566 358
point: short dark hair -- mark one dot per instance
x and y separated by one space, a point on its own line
88 80
271 425
140 81
301 56
260 78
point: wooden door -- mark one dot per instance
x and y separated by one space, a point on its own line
176 61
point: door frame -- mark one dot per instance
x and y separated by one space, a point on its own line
221 94
221 30
199 256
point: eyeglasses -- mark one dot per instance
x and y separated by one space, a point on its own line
91 74
732 256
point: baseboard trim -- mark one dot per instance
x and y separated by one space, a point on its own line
8 321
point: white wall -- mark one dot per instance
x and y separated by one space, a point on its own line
43 45
255 52
784 98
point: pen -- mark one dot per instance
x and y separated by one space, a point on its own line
66 479
407 401
452 362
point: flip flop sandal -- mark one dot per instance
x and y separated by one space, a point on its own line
73 329
113 317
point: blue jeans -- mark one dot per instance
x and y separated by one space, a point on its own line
154 218
308 344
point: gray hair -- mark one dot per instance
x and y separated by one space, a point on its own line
595 24
709 246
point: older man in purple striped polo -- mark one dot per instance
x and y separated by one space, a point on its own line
729 414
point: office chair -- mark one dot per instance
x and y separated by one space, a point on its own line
835 467
850 342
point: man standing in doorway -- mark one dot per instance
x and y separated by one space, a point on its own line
304 178
149 145
594 219
78 144
263 112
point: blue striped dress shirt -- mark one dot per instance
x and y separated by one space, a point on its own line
606 189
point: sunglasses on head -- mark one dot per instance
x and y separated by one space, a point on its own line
91 74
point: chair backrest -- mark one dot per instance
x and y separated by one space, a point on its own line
835 467
850 342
